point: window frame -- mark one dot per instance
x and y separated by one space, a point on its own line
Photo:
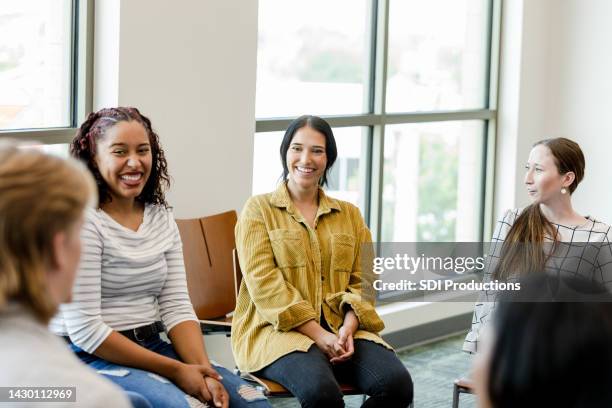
81 92
377 118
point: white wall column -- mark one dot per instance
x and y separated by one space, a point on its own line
190 66
523 90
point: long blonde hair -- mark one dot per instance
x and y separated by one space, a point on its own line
40 196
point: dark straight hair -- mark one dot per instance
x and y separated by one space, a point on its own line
549 348
321 126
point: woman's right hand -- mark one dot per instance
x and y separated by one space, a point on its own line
219 395
190 379
328 343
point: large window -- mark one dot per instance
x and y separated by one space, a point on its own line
312 57
44 68
437 58
409 89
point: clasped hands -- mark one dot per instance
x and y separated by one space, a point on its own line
341 347
189 378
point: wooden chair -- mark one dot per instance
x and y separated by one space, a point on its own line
461 386
208 243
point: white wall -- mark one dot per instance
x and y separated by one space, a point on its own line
106 53
580 94
522 95
555 81
190 67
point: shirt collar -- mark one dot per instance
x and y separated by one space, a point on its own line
280 198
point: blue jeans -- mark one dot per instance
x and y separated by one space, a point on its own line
146 389
373 369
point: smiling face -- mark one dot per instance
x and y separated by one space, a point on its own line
306 158
123 158
542 178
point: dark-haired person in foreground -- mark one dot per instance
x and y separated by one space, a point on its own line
42 202
545 348
548 235
305 314
132 275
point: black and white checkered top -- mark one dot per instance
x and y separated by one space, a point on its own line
584 250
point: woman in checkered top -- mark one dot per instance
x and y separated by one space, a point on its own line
548 235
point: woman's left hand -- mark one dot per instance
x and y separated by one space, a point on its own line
345 337
219 395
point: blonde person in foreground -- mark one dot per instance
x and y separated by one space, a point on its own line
42 200
305 314
548 236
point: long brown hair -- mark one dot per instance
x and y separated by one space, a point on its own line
40 196
522 251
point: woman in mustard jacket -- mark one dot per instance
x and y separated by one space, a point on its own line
305 314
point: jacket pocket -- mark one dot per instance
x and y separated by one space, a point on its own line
288 248
343 252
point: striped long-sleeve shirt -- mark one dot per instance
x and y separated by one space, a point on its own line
126 279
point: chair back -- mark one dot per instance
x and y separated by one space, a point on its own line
208 245
237 273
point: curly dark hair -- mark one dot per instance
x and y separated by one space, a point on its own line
83 147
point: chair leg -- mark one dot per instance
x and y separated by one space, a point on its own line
455 396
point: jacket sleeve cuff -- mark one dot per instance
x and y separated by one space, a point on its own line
295 315
365 312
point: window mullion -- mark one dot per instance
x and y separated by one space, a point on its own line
378 132
44 136
83 65
491 133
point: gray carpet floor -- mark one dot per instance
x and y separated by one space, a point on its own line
433 368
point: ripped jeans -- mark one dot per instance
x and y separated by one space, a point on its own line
146 389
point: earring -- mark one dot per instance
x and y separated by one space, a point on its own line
563 190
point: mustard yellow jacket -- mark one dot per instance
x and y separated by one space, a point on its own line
292 273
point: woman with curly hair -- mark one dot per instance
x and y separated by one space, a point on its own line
131 285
